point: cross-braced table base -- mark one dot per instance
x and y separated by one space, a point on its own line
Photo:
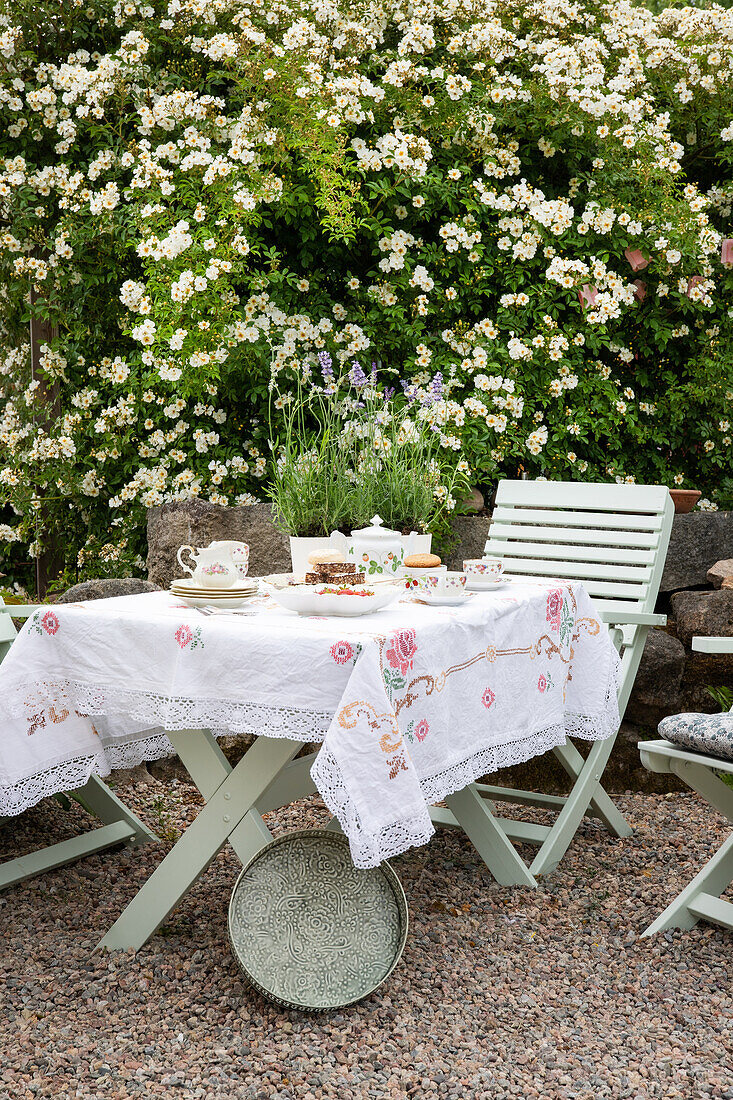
701 899
267 777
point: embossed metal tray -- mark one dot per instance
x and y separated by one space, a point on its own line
309 930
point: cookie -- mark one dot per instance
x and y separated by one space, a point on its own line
322 557
421 561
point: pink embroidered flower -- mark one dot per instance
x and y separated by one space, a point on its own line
554 606
50 623
184 636
342 652
488 698
421 729
542 684
402 650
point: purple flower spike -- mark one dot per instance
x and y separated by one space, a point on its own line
326 363
436 386
388 394
373 375
357 376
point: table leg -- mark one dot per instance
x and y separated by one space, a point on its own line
221 817
207 765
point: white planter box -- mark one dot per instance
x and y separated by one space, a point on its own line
300 549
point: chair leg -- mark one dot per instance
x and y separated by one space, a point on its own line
566 824
601 803
96 797
489 839
706 887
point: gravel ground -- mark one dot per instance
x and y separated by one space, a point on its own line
501 992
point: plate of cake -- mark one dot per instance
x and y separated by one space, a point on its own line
335 599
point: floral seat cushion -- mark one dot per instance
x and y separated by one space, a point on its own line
709 733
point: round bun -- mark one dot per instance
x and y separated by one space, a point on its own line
324 557
422 561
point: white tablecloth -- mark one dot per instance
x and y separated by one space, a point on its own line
411 703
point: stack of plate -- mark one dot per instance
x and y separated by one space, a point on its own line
195 595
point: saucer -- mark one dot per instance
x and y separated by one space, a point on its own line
483 584
442 599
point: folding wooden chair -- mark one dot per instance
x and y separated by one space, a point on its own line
614 539
121 825
701 899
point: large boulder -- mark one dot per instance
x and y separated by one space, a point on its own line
698 541
703 613
471 532
659 680
197 523
105 588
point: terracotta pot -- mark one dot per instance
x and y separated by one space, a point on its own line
684 500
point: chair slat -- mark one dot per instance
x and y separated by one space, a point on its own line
565 518
638 577
614 556
616 498
501 528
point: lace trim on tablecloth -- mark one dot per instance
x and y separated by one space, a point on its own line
70 775
171 712
368 850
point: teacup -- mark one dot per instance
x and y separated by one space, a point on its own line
488 569
442 583
412 577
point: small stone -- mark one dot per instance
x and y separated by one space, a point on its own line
720 572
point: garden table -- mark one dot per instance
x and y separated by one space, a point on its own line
411 703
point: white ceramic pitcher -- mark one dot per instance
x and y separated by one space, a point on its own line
376 549
219 565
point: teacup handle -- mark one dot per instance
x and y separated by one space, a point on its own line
182 563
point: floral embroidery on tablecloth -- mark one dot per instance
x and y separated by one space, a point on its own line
545 682
488 697
390 741
559 615
400 654
417 731
343 651
45 623
185 636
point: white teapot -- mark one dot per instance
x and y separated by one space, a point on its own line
219 565
375 549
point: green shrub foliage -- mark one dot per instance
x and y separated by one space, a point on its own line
531 200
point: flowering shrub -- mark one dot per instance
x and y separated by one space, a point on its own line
529 198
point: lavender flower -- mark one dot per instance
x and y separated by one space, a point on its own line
357 376
326 363
436 386
389 393
373 375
